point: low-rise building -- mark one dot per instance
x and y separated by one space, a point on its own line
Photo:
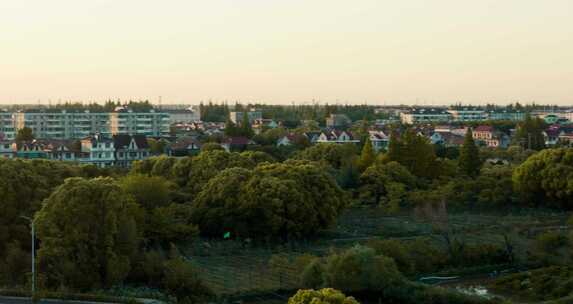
466 114
425 115
338 121
129 148
379 140
98 150
337 137
237 117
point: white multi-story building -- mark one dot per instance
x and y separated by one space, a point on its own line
468 114
423 115
7 127
76 125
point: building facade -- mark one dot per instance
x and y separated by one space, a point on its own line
62 125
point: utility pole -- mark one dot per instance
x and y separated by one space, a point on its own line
32 224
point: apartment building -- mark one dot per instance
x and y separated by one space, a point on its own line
75 125
7 128
237 117
468 114
424 115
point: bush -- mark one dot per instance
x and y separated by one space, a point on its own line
313 274
360 269
323 296
541 284
181 280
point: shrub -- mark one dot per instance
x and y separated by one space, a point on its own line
323 296
181 280
313 275
360 269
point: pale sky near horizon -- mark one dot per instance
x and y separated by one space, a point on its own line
375 51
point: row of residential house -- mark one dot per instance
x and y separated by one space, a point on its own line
444 135
119 150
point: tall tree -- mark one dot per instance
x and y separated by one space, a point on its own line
530 133
230 128
24 134
246 128
88 232
469 161
367 156
394 147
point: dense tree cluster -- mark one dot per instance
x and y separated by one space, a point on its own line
289 200
546 178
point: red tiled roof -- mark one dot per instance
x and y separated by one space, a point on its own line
484 129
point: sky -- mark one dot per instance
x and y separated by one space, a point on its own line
283 51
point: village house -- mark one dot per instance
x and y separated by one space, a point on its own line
337 137
185 146
98 150
129 148
490 137
379 140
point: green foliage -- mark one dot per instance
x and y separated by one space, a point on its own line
335 156
273 200
542 284
148 191
414 152
546 178
529 133
211 146
82 230
157 147
469 160
367 156
313 274
24 134
182 280
361 269
323 296
386 183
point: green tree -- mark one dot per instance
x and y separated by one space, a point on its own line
182 280
83 228
230 128
529 133
378 179
546 178
367 156
359 269
272 201
24 134
323 296
246 128
469 161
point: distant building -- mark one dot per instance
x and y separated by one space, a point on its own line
129 148
490 138
423 115
379 140
468 114
237 117
98 150
505 115
61 125
337 137
183 116
338 121
185 146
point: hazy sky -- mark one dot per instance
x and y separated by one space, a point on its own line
378 51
